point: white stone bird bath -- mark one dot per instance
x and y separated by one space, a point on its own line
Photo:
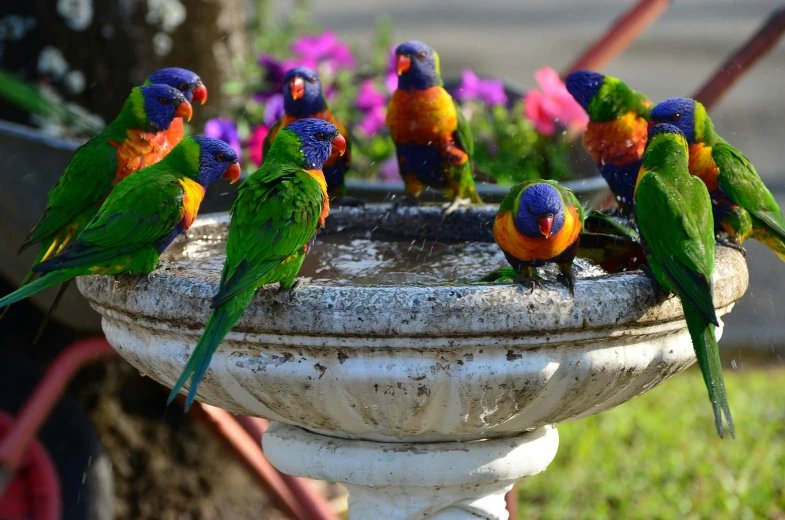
426 401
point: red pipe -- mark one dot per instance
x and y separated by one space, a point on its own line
621 34
740 61
46 395
317 507
225 425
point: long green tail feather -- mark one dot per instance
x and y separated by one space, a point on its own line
221 321
708 353
26 280
46 281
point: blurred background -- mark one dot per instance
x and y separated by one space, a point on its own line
656 457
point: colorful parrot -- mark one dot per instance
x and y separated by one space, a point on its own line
303 97
192 88
433 140
539 222
97 166
275 218
141 216
616 134
674 215
742 205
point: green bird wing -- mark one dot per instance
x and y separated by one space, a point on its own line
742 184
269 138
463 134
86 181
142 209
675 219
274 216
569 199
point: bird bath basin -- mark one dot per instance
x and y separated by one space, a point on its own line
428 400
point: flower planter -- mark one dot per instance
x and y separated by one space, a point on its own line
426 400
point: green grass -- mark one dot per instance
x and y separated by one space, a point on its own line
659 456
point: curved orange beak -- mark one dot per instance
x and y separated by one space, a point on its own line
184 109
232 173
404 64
545 224
200 94
297 87
339 145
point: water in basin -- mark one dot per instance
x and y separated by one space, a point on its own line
366 259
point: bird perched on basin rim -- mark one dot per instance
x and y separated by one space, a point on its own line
128 143
275 218
433 140
539 222
303 96
673 211
742 205
616 134
141 216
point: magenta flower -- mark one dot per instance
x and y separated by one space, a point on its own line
391 77
273 109
324 49
489 91
255 144
388 170
225 130
372 103
373 121
553 107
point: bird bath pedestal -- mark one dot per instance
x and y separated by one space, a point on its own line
425 400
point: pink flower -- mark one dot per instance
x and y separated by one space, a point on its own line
391 77
489 91
369 96
373 120
324 48
388 170
553 107
255 144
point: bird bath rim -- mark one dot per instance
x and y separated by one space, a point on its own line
413 363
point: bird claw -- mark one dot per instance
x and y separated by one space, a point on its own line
162 267
732 245
297 286
568 279
349 202
528 281
450 208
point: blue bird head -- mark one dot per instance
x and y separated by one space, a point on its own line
540 211
183 80
302 92
162 104
678 112
584 85
418 66
318 140
216 159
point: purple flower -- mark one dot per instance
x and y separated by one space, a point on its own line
388 170
369 96
256 143
489 91
273 109
274 71
373 121
324 49
225 130
391 77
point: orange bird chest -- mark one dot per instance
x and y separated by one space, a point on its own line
619 141
421 116
141 149
528 249
702 165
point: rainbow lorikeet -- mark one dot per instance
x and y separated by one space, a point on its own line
539 222
192 88
674 215
616 134
303 97
743 207
433 140
275 218
141 216
98 165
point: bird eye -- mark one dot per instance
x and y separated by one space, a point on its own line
676 117
164 101
220 157
321 136
312 80
182 87
422 56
